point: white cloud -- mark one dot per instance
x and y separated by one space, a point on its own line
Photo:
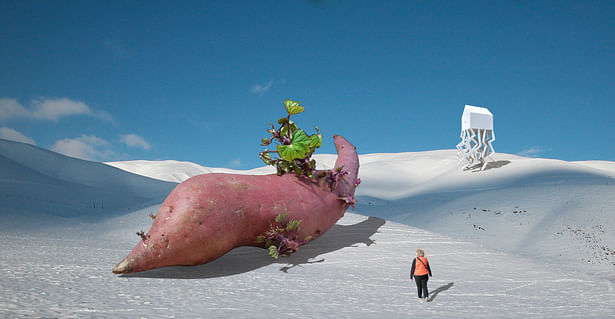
10 108
134 140
261 89
13 135
53 109
46 109
236 163
85 147
534 151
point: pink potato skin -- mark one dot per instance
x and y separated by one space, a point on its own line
208 215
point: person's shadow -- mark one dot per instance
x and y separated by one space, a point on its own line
244 259
433 294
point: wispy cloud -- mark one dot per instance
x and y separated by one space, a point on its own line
48 109
261 89
117 50
236 163
134 140
54 109
85 147
10 108
534 151
10 134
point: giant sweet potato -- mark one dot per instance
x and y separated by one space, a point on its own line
208 215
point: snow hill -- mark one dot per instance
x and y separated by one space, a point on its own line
38 181
525 238
176 171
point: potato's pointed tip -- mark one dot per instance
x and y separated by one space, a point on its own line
124 267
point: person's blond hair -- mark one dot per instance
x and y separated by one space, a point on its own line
420 252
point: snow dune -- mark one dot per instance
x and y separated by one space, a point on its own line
39 186
177 171
503 243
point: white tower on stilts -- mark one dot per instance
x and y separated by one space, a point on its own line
476 137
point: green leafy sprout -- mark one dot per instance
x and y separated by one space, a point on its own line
294 146
283 237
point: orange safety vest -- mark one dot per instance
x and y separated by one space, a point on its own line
419 268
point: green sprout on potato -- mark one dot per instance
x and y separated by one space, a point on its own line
295 147
283 237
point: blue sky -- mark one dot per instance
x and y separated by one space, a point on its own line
200 81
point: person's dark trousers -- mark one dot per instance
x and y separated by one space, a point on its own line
421 285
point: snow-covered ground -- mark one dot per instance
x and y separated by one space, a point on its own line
524 238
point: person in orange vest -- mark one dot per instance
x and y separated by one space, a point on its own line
421 273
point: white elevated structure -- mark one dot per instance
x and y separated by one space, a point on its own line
476 137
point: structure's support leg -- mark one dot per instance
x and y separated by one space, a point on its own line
459 146
477 148
489 151
474 145
484 145
467 152
461 152
464 147
491 145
